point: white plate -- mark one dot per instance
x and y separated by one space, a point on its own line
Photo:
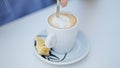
80 50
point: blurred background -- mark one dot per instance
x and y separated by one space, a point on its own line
14 9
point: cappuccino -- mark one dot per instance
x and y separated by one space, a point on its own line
64 21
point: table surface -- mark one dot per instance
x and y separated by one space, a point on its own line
99 21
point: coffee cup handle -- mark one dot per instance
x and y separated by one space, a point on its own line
50 41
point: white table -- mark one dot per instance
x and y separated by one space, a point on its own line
99 20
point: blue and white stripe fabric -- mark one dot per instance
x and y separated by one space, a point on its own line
13 9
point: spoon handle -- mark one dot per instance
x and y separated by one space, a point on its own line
58 8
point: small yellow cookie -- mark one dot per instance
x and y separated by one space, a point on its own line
40 46
39 41
43 50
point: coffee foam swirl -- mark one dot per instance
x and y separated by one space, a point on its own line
63 21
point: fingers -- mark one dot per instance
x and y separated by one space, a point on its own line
64 2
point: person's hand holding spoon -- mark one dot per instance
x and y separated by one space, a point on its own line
63 3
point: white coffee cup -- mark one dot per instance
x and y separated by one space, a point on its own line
61 40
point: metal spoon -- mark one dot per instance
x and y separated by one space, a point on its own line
58 8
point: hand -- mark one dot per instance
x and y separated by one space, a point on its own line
64 2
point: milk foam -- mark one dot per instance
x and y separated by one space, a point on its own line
61 21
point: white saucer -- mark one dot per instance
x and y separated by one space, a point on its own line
76 54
